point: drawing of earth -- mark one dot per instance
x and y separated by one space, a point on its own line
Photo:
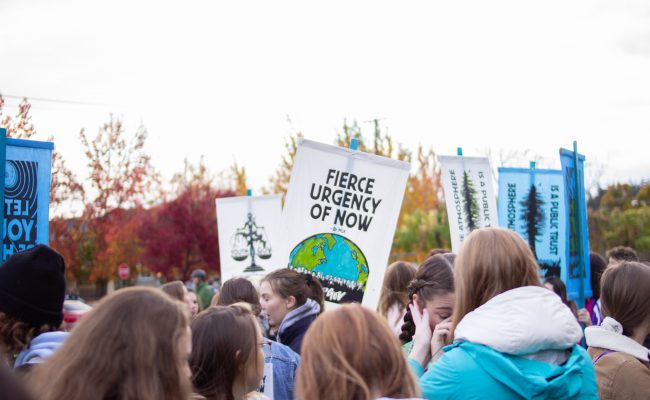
337 262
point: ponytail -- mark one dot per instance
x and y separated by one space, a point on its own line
315 291
288 282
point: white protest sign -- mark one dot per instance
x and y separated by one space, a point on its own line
469 194
340 214
249 235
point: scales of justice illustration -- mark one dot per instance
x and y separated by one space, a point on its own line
250 241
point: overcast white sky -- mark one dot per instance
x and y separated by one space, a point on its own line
219 78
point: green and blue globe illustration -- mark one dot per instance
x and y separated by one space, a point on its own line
337 262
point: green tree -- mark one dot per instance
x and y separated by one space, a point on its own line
470 204
533 216
642 198
420 232
618 197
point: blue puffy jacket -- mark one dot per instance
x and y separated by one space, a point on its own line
519 345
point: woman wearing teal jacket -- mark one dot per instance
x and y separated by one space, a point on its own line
512 338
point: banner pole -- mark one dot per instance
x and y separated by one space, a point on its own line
581 263
3 162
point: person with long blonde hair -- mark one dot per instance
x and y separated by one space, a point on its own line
350 353
394 296
512 338
134 345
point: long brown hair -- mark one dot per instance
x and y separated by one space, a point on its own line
126 348
350 353
625 294
236 290
223 341
394 290
435 277
175 290
491 261
287 282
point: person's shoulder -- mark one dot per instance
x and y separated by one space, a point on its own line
629 377
281 352
460 364
445 378
460 354
626 365
454 364
301 325
617 366
615 360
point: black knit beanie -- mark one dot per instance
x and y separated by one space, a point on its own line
32 286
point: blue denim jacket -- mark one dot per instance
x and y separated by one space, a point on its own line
285 363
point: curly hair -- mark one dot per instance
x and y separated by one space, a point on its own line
15 335
622 253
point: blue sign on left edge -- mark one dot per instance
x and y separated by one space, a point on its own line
28 170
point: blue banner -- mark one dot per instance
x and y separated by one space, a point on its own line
531 203
28 169
577 236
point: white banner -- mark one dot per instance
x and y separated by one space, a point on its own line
469 194
340 214
249 235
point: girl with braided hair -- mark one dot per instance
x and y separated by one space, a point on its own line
431 296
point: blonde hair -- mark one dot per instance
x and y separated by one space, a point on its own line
127 348
491 261
350 353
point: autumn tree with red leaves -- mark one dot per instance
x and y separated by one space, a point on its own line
181 235
121 181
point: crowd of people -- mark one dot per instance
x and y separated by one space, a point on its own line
481 324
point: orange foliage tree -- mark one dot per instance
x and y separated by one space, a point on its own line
121 181
181 235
